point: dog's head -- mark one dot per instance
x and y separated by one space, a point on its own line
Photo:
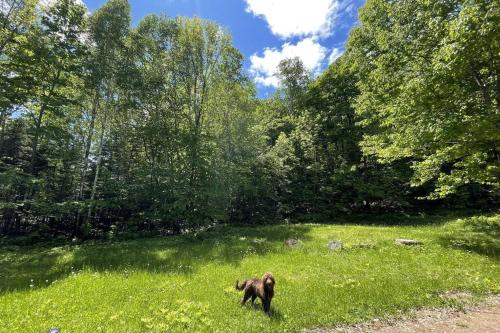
268 280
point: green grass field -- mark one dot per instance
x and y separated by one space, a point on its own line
186 283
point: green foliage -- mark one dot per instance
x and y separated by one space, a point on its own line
108 128
113 123
317 147
294 79
428 81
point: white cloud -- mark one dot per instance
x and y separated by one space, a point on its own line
288 18
334 55
51 2
263 68
267 81
309 20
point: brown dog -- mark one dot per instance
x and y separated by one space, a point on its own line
262 288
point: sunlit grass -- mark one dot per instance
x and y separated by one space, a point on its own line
186 283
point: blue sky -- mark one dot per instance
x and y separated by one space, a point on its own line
266 31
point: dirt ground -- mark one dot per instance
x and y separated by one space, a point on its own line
483 318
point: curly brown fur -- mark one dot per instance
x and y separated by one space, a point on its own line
261 288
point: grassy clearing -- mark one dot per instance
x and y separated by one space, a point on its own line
186 283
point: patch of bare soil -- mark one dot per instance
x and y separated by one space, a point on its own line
483 318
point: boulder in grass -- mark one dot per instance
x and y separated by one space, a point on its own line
407 242
335 245
291 242
258 240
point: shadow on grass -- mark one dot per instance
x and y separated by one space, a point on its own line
275 315
38 266
390 219
480 235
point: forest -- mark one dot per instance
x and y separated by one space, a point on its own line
108 127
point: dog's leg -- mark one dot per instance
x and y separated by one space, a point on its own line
246 297
253 298
265 306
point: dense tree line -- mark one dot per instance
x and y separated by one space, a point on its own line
106 127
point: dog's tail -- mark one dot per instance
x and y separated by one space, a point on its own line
240 286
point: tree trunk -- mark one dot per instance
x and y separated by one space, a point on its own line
99 161
3 122
88 145
38 122
34 146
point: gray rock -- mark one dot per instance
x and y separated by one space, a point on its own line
258 240
291 242
335 245
407 242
